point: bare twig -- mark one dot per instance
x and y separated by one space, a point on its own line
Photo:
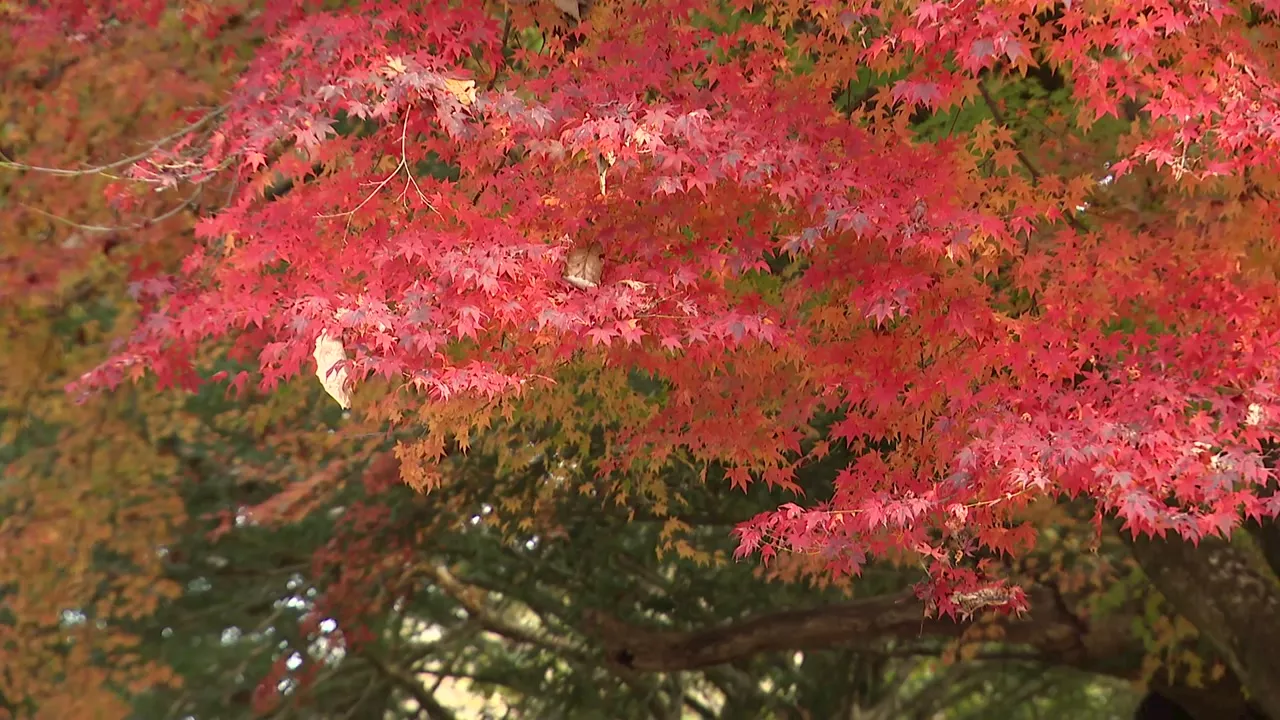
502 51
118 228
402 165
63 172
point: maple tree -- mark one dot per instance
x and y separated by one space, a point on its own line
991 253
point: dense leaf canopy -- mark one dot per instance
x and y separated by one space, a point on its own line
854 286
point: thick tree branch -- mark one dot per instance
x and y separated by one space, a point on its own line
1227 589
864 624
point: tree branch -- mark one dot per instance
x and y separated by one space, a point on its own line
1031 168
118 228
6 162
406 682
864 624
472 600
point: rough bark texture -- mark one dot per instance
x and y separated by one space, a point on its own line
1230 593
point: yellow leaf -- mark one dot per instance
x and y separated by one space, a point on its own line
464 90
395 66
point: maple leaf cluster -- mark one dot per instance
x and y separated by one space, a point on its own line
410 182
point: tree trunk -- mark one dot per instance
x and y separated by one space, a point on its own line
1231 594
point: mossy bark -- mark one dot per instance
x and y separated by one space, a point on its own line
1232 595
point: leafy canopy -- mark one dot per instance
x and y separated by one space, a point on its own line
998 250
